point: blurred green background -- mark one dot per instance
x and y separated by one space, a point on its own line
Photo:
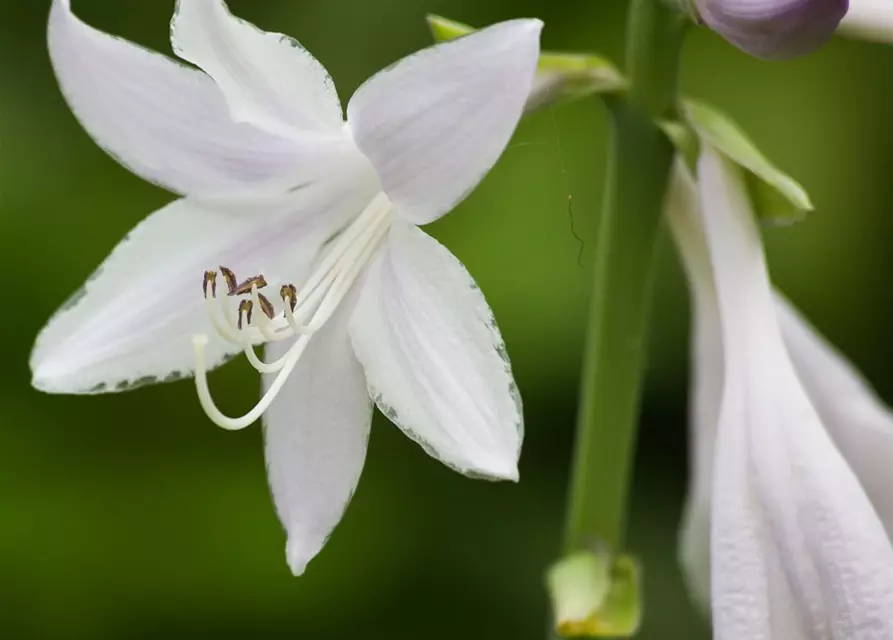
131 516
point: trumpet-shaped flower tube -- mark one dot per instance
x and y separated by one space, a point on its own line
786 526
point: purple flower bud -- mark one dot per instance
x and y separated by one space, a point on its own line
773 29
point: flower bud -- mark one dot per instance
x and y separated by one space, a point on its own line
773 29
596 595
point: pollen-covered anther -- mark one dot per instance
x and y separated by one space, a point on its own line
246 308
266 306
299 319
289 295
230 278
210 282
244 288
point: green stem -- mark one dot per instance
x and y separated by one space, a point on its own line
625 259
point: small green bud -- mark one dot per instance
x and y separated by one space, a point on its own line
595 595
444 29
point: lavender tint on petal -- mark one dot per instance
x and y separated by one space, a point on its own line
774 29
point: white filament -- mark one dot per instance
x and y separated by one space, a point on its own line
319 298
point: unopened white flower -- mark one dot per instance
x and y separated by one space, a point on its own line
791 477
277 183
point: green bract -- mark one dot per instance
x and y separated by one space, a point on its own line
560 76
776 197
595 595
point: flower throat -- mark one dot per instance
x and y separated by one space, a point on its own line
254 320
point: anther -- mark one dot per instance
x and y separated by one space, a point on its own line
266 306
230 278
321 295
210 281
289 295
245 287
246 307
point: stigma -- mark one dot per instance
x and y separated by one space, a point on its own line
246 317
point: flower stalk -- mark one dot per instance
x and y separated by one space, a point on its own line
640 162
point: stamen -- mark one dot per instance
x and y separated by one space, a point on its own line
230 334
230 279
226 332
200 342
263 323
319 298
246 307
210 280
228 313
257 281
266 306
311 302
289 295
264 367
372 215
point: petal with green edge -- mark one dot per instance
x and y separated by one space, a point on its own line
315 436
434 359
133 321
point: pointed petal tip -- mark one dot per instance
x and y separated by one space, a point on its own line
530 25
47 375
59 371
498 470
297 557
523 28
44 383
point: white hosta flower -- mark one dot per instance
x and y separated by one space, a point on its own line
276 183
791 475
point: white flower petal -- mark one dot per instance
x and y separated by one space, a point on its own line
857 420
436 122
134 319
706 380
316 433
740 580
833 551
751 566
434 360
165 122
269 79
751 595
868 20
